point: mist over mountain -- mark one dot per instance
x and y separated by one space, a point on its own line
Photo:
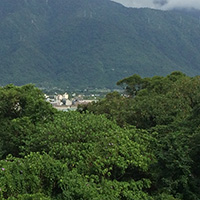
161 4
92 43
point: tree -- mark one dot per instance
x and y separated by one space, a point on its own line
170 106
84 157
21 109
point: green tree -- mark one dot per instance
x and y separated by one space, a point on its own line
170 106
21 109
86 157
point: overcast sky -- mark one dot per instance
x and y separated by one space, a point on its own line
161 4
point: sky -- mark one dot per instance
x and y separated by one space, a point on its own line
161 4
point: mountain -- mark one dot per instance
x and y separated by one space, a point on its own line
92 43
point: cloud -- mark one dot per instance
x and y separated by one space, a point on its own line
161 4
182 4
136 3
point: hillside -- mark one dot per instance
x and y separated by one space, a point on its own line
92 43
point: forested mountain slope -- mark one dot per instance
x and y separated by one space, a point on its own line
92 43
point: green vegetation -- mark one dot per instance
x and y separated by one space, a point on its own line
91 43
168 106
48 154
141 146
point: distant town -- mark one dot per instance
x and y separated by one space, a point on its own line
65 103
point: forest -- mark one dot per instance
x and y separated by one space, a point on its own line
139 145
49 42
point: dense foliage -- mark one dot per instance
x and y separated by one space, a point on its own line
46 154
106 150
92 43
169 106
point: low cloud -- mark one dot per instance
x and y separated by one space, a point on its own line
161 4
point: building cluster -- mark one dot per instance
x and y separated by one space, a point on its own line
62 101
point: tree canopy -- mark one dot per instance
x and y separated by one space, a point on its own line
169 106
142 145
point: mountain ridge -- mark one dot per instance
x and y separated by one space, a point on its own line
88 43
